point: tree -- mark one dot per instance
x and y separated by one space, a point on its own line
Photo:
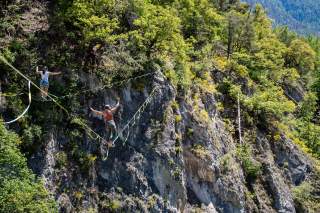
235 21
158 35
301 56
20 191
200 20
97 20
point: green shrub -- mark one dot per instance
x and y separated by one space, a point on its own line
175 105
30 134
270 101
252 169
304 198
178 118
190 132
20 191
111 205
94 19
177 173
61 159
200 151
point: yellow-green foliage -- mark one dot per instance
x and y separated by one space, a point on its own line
201 115
200 19
200 151
221 63
115 205
242 70
302 130
178 118
94 19
172 76
187 40
206 84
277 136
61 159
304 198
190 132
204 116
220 107
286 130
175 105
20 191
91 158
270 100
269 60
178 138
78 195
178 148
291 75
158 34
301 56
251 168
152 201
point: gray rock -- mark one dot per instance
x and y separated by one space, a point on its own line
65 204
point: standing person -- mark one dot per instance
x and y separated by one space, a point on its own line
44 82
107 114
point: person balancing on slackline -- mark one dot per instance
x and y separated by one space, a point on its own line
44 82
110 125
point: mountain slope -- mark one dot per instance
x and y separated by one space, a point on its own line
300 16
218 110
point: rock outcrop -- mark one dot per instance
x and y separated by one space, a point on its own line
177 161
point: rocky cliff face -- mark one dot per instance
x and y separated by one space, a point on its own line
182 154
180 157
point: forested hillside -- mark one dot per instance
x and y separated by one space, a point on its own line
300 16
218 111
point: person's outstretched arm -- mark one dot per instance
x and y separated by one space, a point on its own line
114 109
96 111
37 70
54 73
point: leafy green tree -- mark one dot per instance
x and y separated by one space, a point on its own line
20 191
158 30
314 42
200 20
268 60
270 101
301 56
285 35
97 20
308 107
158 34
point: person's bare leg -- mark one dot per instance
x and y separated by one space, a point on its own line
109 136
42 91
112 134
46 92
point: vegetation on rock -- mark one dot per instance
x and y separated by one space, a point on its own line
224 48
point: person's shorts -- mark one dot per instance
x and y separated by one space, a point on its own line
111 123
44 83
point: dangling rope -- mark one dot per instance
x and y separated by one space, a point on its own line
50 97
26 110
132 121
35 85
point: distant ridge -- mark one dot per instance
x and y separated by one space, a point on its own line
301 16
